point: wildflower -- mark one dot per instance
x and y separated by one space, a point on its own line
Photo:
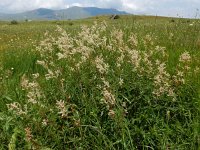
33 89
24 82
120 59
185 57
35 76
60 56
17 108
171 92
161 50
180 74
133 40
158 62
148 40
148 63
28 134
50 75
117 37
42 63
31 97
187 68
61 107
108 98
101 65
121 81
77 123
44 122
162 82
111 113
135 57
106 83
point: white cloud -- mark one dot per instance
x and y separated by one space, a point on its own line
159 7
22 5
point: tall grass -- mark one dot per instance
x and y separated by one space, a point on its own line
117 85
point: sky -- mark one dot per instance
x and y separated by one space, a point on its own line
179 8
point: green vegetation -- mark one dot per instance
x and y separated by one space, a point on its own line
129 83
13 22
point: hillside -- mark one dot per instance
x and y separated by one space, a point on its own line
64 14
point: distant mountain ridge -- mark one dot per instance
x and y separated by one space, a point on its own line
63 14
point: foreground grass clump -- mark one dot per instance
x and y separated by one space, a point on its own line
103 88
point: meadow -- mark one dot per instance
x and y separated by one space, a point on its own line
129 83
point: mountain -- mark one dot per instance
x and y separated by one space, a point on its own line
72 13
63 14
94 11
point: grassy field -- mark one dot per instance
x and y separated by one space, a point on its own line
130 83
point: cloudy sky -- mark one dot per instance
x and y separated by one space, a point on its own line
184 8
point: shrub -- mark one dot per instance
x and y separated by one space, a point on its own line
14 22
172 20
70 23
115 17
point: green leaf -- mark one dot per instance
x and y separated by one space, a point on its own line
45 148
8 98
3 116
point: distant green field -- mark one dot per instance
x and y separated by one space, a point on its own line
97 83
